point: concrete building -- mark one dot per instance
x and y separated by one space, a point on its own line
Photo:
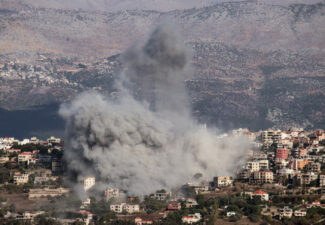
263 195
322 180
25 156
129 208
285 212
112 193
39 193
222 181
261 177
88 182
140 221
282 154
313 167
192 218
300 213
21 178
161 196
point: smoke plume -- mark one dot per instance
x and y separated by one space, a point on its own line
145 139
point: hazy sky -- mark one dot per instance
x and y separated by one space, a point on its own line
160 5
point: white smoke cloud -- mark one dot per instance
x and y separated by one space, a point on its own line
147 142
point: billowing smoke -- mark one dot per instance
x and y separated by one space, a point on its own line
145 139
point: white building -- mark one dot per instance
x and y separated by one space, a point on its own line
322 180
29 215
285 212
192 218
300 213
161 196
221 181
139 221
25 156
20 178
129 208
112 193
257 165
231 213
88 182
263 195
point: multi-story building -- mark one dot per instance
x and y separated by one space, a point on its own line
285 212
112 193
313 167
297 164
322 180
261 177
306 178
25 156
192 218
21 178
161 196
88 182
300 213
282 154
263 195
222 181
252 166
129 208
300 152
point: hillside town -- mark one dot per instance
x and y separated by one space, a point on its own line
282 182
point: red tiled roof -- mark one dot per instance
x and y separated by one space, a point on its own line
259 192
26 153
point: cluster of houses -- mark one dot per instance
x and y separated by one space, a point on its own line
294 155
32 157
277 158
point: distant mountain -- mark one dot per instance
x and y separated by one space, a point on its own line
88 33
256 65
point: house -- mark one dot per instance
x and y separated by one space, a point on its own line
252 166
88 216
88 182
21 178
25 156
315 203
190 202
192 218
222 181
45 158
11 151
313 167
322 180
132 208
39 193
112 193
306 178
261 177
85 203
29 215
198 188
4 159
285 212
139 221
263 195
161 196
282 154
57 166
231 213
300 213
40 179
174 206
129 208
299 164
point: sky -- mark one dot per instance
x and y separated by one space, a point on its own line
159 5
